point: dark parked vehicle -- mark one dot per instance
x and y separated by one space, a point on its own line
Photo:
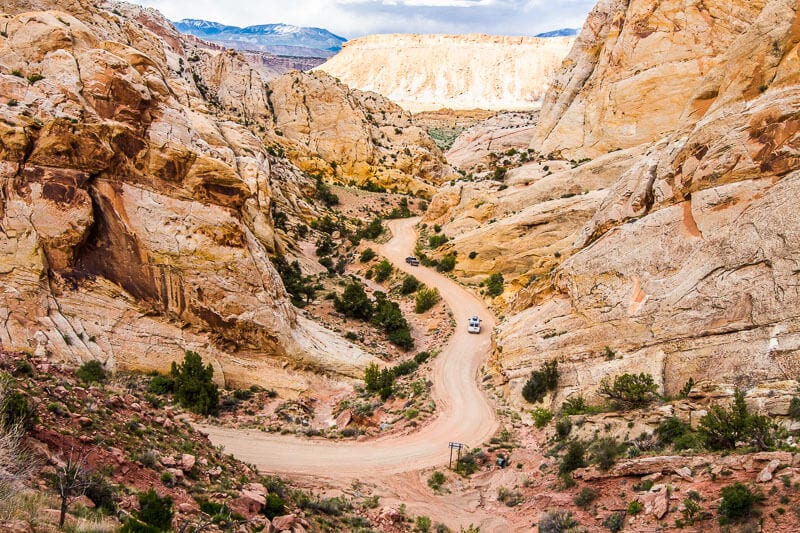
413 261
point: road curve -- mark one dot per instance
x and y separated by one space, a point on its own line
464 413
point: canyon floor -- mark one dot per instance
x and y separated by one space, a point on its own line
392 465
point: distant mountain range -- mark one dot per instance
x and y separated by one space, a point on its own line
278 39
563 32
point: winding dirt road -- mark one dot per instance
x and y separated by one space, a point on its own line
464 413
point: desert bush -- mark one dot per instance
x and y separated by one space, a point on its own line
574 458
541 382
722 428
585 497
325 194
91 372
541 417
367 255
435 241
614 522
605 452
794 408
422 524
629 390
354 302
425 299
736 504
154 514
383 270
634 507
494 285
421 357
300 288
557 521
447 264
410 285
102 493
510 497
275 506
15 410
194 385
436 480
671 429
161 385
563 428
373 230
575 405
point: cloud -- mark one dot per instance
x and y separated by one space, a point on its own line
354 18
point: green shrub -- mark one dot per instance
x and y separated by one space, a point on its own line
387 314
325 194
383 270
16 410
686 389
736 504
447 264
585 497
435 241
154 514
614 522
557 521
379 380
605 451
541 381
630 390
161 385
573 459
275 506
194 385
102 493
634 507
91 372
563 428
421 357
300 288
425 299
367 255
354 303
436 480
541 417
794 408
405 368
33 78
574 405
722 428
373 230
671 429
494 285
423 524
410 285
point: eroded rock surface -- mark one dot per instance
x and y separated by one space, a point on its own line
137 199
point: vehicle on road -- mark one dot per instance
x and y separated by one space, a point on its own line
474 325
413 261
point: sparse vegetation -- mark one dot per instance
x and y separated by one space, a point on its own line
91 372
736 504
383 270
367 255
194 385
541 417
722 428
425 299
447 264
574 458
541 382
585 497
629 390
494 285
410 285
557 521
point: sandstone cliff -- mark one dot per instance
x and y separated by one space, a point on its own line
681 257
136 201
425 72
352 136
633 70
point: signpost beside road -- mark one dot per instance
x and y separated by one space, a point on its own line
455 446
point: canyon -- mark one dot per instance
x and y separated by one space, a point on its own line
631 214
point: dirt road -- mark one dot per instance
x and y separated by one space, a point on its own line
464 413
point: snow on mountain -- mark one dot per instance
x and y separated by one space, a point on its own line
279 39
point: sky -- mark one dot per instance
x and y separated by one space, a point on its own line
355 18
